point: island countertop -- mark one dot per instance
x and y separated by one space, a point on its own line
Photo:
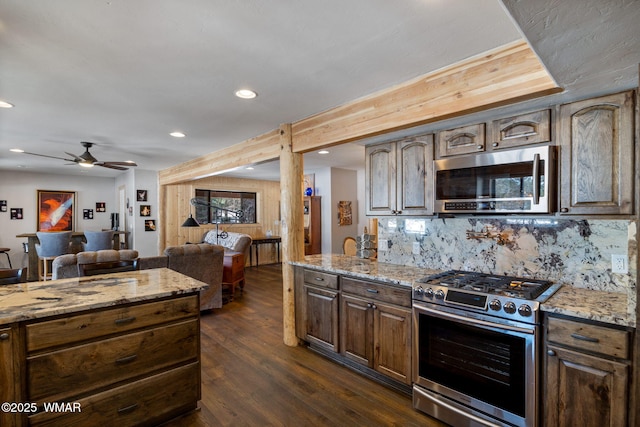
607 307
35 300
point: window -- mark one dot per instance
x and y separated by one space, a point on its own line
229 202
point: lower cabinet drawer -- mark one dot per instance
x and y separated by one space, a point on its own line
146 402
380 292
81 369
318 278
83 327
586 336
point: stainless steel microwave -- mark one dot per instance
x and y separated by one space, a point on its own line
512 181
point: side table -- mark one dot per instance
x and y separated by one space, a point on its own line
233 272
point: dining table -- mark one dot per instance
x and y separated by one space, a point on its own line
77 238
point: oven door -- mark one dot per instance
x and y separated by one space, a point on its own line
469 370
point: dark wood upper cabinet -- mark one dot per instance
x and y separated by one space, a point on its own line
597 155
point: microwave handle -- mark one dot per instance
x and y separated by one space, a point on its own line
536 179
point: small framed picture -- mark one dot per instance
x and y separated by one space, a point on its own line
145 210
3 205
149 225
142 195
87 214
101 207
16 213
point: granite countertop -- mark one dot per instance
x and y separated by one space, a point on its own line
35 300
365 268
607 307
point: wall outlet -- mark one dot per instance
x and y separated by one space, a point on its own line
383 245
619 264
416 248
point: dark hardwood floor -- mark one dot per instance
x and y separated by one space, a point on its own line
250 378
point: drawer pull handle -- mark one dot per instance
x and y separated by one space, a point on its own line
126 359
127 409
319 279
4 336
583 338
372 291
124 321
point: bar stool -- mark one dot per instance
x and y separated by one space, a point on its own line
52 245
6 252
98 240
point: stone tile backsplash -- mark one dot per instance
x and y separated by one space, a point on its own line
573 252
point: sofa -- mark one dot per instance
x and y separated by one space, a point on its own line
203 262
231 242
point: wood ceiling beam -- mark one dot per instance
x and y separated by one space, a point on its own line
501 76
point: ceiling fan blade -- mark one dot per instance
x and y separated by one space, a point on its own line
75 158
117 163
50 157
110 166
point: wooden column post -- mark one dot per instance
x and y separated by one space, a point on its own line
292 227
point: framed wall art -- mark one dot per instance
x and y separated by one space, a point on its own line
56 210
141 195
3 205
16 213
145 210
87 214
150 225
101 207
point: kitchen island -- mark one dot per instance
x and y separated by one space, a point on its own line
121 348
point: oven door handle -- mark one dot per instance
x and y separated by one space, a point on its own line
474 322
452 408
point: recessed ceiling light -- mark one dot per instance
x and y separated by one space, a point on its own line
323 152
16 150
246 94
178 134
5 104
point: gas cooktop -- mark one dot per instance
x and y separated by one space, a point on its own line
489 284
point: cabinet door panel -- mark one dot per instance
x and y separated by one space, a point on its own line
392 335
585 390
597 155
322 317
415 176
356 323
462 140
523 129
9 378
380 183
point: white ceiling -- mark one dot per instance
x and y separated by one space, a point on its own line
123 74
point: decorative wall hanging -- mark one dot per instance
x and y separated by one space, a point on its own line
344 213
142 195
87 214
145 210
56 210
150 225
16 213
101 207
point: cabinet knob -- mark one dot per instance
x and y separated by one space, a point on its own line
495 144
551 353
480 147
4 337
564 210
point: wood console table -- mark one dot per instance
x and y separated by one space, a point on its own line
76 238
257 241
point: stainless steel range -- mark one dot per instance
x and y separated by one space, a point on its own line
476 348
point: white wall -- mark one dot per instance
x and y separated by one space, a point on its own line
145 242
19 190
344 187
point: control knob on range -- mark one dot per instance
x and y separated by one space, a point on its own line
495 305
510 307
429 293
418 291
439 294
525 310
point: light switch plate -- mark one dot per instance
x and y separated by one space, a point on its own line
619 264
416 248
383 245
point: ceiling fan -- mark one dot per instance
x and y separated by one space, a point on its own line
87 160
